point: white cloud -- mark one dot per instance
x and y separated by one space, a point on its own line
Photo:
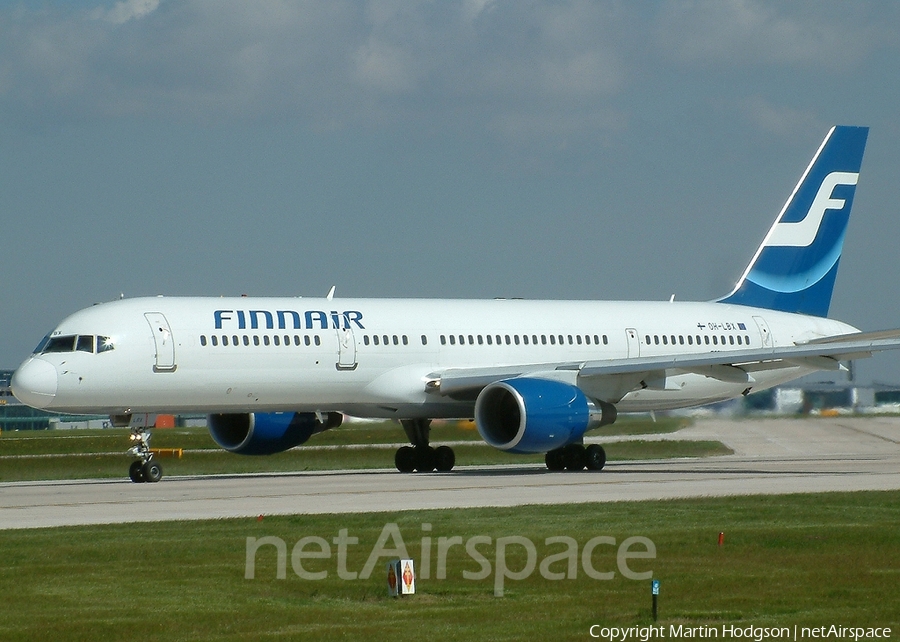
505 66
126 10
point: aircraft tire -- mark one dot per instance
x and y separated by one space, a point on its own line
596 457
135 472
405 459
425 459
575 457
555 460
444 459
151 471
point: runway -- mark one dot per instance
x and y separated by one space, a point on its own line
774 456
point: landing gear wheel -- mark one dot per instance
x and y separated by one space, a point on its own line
151 471
596 457
444 459
575 457
405 459
136 473
425 459
555 459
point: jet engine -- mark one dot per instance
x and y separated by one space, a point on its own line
530 415
267 433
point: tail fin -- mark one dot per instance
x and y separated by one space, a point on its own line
795 267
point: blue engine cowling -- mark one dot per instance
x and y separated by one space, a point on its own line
267 433
528 415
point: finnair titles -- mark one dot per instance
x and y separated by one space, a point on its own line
535 375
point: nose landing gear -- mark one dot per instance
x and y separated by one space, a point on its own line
145 468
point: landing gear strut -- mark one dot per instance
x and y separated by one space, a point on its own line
420 456
576 457
145 468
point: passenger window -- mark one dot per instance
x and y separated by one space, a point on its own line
544 339
215 341
375 339
570 339
256 339
578 339
277 340
516 338
224 339
525 339
553 339
508 340
318 340
453 339
647 339
715 340
424 340
731 340
306 339
203 339
365 339
471 340
443 339
266 339
462 340
489 340
480 340
680 339
396 340
690 340
405 340
296 339
534 339
385 340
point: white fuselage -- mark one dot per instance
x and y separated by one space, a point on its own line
375 357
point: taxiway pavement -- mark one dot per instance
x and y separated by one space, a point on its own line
772 456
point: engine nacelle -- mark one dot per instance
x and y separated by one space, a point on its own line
267 433
527 415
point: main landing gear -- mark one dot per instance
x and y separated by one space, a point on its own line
145 468
420 456
576 457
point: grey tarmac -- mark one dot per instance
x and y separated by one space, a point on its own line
772 456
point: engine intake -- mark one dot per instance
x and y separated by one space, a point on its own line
267 433
528 415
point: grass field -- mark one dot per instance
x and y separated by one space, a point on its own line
812 560
44 455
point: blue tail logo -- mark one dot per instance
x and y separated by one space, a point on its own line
795 267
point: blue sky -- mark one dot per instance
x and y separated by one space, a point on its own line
479 148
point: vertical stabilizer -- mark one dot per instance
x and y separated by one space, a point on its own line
795 267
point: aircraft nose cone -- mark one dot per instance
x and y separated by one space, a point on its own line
34 383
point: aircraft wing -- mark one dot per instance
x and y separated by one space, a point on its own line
733 366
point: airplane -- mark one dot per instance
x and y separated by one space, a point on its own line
534 375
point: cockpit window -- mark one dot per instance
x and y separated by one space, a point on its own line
43 344
60 344
72 342
85 343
